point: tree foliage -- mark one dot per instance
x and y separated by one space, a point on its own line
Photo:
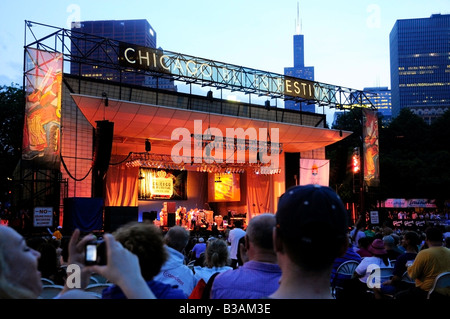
414 156
11 119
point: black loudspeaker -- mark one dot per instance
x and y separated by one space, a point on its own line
292 169
83 213
103 139
151 216
116 216
171 219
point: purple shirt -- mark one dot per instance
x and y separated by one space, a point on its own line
198 249
253 280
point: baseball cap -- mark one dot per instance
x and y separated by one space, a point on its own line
388 240
301 209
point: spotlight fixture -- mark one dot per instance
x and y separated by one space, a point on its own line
267 104
209 95
105 98
148 145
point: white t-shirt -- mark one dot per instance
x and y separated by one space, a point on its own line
366 266
233 238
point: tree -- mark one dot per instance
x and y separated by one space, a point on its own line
11 119
339 154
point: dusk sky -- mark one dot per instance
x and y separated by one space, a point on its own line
347 42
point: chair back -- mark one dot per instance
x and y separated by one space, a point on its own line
386 273
441 281
97 288
347 267
46 281
406 278
50 291
343 272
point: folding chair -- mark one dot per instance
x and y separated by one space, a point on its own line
50 291
442 281
343 272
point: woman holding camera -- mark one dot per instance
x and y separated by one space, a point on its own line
20 278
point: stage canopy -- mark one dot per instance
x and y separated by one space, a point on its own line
136 122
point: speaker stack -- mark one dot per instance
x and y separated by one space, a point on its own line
103 139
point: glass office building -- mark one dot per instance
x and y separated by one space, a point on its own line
138 32
420 66
382 101
299 70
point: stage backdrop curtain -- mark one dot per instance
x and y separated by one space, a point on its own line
258 195
122 186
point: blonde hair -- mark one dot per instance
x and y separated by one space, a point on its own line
8 289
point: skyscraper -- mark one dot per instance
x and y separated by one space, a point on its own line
299 70
138 32
382 101
420 66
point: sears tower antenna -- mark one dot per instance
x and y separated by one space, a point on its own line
298 24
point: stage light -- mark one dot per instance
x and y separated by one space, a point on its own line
148 146
356 165
209 95
267 104
105 98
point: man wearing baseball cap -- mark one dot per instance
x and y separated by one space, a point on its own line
311 232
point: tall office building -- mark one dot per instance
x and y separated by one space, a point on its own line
382 101
138 32
420 66
299 70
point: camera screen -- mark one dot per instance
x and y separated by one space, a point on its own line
91 253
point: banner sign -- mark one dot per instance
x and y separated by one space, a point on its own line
161 184
314 171
188 68
41 136
409 203
370 148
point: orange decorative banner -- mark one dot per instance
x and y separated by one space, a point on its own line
370 148
41 138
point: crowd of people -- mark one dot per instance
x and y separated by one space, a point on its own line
294 253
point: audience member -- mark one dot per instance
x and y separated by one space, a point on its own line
391 247
429 263
363 244
410 242
145 240
310 233
357 233
241 255
259 276
233 238
20 278
350 254
57 233
48 264
198 249
358 287
174 271
216 259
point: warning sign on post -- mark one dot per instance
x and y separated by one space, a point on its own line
43 217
